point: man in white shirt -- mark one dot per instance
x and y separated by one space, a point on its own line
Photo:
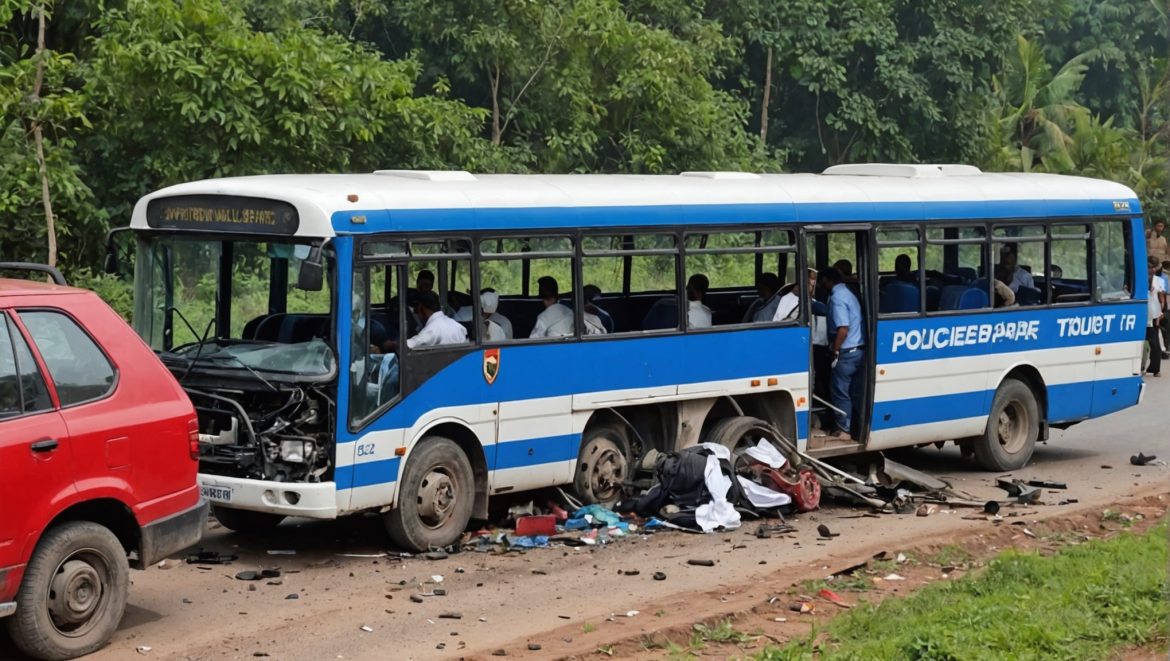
1154 304
489 302
438 329
1009 260
698 315
788 309
556 320
764 307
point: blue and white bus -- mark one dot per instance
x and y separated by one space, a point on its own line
281 303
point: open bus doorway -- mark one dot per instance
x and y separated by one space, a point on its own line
848 251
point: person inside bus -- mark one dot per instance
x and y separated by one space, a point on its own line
845 268
764 307
789 307
438 329
698 314
1009 258
489 302
1004 296
556 320
592 294
847 348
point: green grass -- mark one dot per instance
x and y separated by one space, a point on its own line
1081 603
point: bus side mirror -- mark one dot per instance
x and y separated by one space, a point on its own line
112 264
311 276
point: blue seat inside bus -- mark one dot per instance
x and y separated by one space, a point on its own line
950 295
899 296
973 299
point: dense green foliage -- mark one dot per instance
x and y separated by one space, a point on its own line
1086 602
139 94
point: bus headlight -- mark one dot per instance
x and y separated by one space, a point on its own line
295 452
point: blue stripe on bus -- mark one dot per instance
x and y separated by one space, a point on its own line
380 220
534 451
367 473
923 410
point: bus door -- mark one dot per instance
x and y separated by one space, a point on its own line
847 249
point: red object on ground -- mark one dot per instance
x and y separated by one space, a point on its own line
542 524
802 485
558 512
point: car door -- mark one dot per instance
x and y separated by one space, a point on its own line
84 379
35 470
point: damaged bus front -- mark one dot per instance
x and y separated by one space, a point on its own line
235 297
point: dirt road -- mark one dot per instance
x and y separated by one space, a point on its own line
189 613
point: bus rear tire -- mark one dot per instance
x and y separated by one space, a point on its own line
246 522
603 465
435 497
73 594
738 433
1012 429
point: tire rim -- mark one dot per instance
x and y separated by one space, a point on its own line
438 497
749 440
605 466
1013 427
78 594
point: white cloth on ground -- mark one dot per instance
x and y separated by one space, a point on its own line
762 496
766 453
719 513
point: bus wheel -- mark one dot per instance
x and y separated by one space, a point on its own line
246 522
602 466
1012 429
740 433
73 593
435 497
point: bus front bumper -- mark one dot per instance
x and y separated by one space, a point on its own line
311 500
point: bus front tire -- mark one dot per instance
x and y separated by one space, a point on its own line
435 497
73 594
738 433
602 466
246 522
1013 428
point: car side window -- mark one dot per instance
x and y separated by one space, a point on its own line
22 389
79 369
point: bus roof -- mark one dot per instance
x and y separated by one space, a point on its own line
406 200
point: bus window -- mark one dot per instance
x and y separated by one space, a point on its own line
520 270
1019 252
373 368
1068 271
1114 280
742 269
955 259
899 268
631 282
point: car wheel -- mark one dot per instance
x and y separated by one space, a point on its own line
1012 429
73 594
435 498
246 522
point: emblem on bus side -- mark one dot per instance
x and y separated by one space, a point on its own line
491 365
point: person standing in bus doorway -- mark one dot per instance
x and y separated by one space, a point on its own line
556 320
1165 273
1155 303
847 348
1156 241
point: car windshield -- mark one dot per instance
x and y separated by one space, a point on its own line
190 289
312 358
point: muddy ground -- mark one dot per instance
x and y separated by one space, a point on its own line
571 602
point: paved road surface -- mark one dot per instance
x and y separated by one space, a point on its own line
187 613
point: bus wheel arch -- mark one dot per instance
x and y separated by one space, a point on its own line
776 407
1031 377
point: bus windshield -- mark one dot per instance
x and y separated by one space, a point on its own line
197 290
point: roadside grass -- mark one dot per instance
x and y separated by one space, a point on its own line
1081 603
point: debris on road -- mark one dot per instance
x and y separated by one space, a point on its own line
201 557
926 509
367 628
1141 459
825 533
659 576
698 562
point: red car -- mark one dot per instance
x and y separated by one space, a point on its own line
98 457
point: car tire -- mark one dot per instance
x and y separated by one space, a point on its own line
602 466
1013 428
73 594
738 433
246 522
435 497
